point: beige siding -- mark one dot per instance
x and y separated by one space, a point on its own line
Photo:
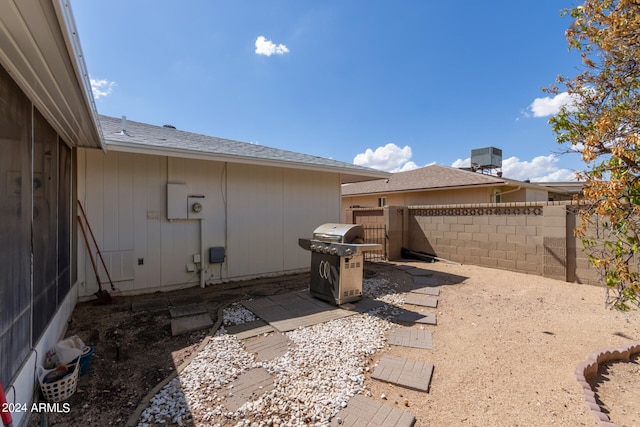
310 199
435 197
537 195
444 197
257 213
269 210
255 220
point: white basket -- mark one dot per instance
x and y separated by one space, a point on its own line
62 389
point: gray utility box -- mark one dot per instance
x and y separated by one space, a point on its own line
337 262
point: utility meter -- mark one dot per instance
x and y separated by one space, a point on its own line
196 207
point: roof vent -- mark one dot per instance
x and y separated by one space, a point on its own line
123 125
169 126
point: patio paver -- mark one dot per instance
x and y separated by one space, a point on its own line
427 290
421 299
186 324
249 329
363 411
410 373
269 347
188 310
185 300
408 316
247 387
411 338
293 310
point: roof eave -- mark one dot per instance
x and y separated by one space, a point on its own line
347 175
417 190
41 50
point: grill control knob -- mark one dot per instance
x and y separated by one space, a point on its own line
334 251
312 247
347 252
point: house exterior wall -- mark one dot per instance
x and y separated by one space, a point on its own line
256 213
537 195
448 197
433 197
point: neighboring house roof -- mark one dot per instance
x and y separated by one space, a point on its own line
432 177
39 47
571 187
150 139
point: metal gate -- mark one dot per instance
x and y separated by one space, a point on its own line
375 233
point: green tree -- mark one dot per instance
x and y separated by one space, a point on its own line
603 123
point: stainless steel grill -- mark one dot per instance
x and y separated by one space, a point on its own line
337 261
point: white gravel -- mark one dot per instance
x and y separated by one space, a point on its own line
236 314
313 380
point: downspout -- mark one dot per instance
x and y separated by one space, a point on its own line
203 255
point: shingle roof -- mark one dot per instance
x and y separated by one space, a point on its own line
427 178
161 138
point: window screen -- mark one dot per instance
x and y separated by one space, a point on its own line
45 223
35 225
15 227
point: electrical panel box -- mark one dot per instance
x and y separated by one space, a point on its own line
177 201
181 205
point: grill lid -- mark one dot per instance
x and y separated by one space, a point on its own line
339 233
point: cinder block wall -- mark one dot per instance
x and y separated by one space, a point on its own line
507 236
535 238
364 216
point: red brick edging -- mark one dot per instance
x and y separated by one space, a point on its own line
589 369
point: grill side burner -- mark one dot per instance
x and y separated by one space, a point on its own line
337 261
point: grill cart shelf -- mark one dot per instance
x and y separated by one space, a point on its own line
337 261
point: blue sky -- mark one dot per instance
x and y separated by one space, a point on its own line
390 85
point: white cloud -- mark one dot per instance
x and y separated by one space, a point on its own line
390 158
267 47
547 106
561 175
101 87
462 163
539 169
409 166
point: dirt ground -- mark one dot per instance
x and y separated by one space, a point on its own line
505 349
